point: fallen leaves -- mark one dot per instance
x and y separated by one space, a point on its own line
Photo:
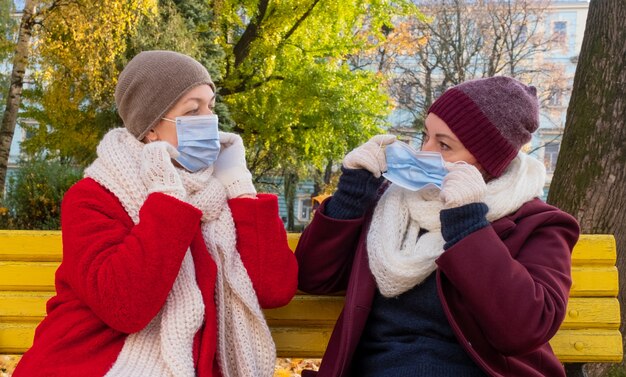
285 367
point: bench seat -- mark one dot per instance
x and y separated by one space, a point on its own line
590 332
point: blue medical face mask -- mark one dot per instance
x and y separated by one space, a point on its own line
198 141
413 170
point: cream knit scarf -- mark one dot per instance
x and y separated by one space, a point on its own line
400 259
165 346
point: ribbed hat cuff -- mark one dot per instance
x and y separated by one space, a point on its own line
481 137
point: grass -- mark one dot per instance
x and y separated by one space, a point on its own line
616 371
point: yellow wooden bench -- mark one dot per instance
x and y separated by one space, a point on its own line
590 333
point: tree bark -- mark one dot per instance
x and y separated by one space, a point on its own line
14 97
590 178
290 184
242 48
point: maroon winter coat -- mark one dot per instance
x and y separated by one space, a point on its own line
504 288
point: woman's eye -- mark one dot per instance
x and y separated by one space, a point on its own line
444 146
191 112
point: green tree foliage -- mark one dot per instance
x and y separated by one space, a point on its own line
34 193
77 55
82 49
183 26
288 84
281 67
287 81
8 28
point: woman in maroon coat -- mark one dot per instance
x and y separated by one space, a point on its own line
466 275
169 254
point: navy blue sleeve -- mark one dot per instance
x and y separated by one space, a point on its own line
459 222
356 192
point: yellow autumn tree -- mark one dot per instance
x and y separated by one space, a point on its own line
77 55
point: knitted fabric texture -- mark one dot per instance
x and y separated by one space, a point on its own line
356 192
400 259
230 167
157 171
370 155
462 185
493 118
165 347
151 83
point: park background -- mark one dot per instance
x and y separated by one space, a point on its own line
305 81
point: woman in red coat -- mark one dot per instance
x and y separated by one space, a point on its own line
169 254
457 269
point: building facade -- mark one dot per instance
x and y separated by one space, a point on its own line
563 25
566 20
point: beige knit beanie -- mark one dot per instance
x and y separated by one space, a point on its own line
150 85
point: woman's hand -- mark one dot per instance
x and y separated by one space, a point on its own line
462 185
370 155
230 167
158 172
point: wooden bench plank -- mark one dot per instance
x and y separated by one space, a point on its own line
22 306
33 245
311 318
16 338
589 345
311 310
36 245
594 281
301 342
27 276
594 249
306 310
588 313
569 345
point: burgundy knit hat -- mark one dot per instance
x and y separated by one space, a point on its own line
492 117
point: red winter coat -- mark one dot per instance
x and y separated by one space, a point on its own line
504 288
115 276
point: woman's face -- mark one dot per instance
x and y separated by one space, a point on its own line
198 101
439 138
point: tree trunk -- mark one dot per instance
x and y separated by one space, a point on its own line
14 98
290 184
590 179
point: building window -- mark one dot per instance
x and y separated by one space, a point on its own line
304 209
405 93
555 97
550 155
559 32
522 33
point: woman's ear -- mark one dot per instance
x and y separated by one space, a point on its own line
150 136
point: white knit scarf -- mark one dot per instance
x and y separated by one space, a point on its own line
165 346
400 259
